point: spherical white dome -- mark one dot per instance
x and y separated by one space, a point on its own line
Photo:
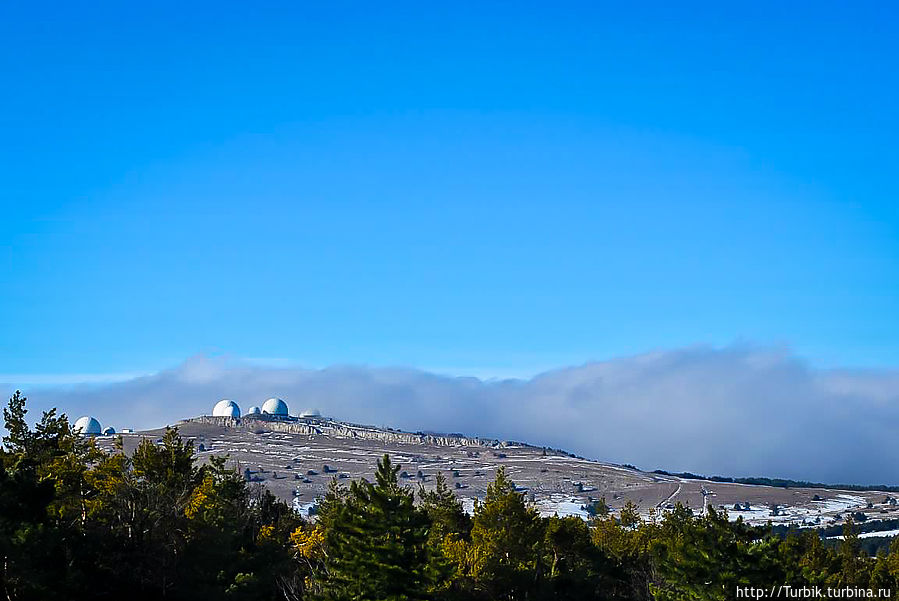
254 410
87 426
274 407
226 408
108 431
311 413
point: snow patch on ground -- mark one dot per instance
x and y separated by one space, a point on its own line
869 534
562 506
821 511
841 502
468 505
303 508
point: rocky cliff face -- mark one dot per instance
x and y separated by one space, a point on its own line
337 429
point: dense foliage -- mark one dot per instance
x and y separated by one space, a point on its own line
77 523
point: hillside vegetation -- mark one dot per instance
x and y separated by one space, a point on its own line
79 523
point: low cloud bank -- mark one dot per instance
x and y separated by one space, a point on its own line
738 411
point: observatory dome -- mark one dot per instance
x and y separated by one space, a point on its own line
311 413
87 426
254 410
108 431
274 407
226 408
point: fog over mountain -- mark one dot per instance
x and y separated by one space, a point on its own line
740 411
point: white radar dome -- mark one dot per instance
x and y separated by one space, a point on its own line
108 431
311 413
87 426
226 408
254 410
274 407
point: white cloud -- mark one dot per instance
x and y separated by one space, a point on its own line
66 379
733 411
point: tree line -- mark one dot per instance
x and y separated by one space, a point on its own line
776 482
79 523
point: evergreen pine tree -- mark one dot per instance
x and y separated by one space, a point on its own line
444 510
506 539
377 543
450 526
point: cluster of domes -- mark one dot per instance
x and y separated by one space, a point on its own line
273 406
90 426
87 425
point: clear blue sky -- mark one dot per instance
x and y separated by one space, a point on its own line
480 187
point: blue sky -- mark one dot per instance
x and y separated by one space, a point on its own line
466 188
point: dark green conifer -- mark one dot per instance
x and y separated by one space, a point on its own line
377 543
